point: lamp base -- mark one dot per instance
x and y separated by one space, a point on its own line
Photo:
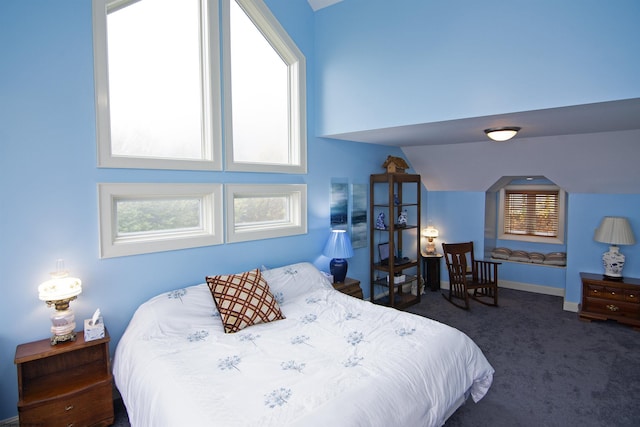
613 261
63 325
55 339
338 268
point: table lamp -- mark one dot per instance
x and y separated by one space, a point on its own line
59 291
430 233
338 248
614 231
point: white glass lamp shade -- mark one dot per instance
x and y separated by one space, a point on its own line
502 134
430 232
338 248
60 289
614 231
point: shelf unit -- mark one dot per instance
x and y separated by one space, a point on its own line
391 193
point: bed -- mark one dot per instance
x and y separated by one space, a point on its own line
333 360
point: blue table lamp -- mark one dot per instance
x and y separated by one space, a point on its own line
338 248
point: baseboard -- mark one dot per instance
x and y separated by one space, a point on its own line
10 422
528 287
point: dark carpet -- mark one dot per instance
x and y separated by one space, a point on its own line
551 368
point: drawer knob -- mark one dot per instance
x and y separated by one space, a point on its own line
613 293
613 307
68 407
632 296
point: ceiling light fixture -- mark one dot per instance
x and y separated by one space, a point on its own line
503 133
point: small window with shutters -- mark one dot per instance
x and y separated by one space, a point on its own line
532 213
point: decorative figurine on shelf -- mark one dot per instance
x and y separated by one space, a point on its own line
396 201
380 225
402 219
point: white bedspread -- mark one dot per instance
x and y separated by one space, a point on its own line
334 361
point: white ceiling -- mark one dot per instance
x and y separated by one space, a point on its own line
319 4
580 119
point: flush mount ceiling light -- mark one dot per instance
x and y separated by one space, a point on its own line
502 134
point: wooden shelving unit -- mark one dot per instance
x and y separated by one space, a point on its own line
391 193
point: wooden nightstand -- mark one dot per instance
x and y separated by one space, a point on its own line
66 384
349 287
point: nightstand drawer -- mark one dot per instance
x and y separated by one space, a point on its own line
612 307
612 293
92 406
605 292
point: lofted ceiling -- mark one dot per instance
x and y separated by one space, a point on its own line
580 119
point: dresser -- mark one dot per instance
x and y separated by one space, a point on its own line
604 299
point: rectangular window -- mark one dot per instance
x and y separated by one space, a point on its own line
157 91
532 213
262 211
265 84
143 218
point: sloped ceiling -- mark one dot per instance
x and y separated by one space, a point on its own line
579 119
319 4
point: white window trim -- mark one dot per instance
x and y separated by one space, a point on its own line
212 132
536 239
211 233
297 225
264 20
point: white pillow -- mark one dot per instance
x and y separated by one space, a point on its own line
556 258
501 253
291 281
521 256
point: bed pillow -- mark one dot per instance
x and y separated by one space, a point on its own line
295 280
243 300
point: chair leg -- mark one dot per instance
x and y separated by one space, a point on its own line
452 299
483 294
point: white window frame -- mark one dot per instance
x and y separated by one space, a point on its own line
525 238
264 20
212 115
211 233
297 195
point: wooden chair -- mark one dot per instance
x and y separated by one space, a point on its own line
466 275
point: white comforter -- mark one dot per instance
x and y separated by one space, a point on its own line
334 361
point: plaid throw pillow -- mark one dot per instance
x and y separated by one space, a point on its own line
243 300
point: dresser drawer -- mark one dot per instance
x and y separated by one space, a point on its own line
92 406
612 307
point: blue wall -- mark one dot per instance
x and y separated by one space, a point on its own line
49 176
402 62
459 216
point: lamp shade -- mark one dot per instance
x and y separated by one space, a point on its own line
502 134
430 232
338 245
614 230
59 289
